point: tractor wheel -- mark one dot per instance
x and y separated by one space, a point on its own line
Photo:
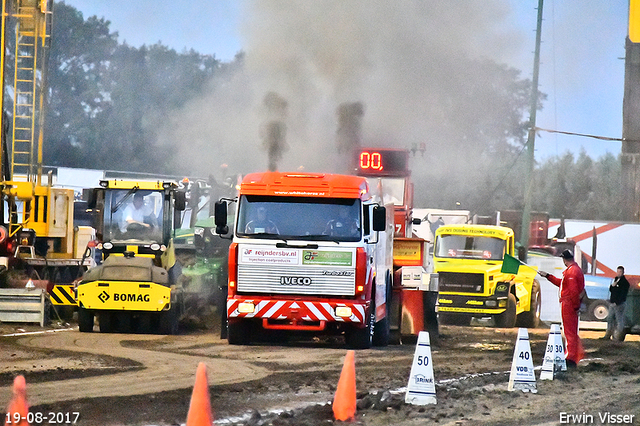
169 321
105 321
85 320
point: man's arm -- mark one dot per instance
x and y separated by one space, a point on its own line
555 281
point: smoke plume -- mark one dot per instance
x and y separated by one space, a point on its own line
408 62
348 136
275 129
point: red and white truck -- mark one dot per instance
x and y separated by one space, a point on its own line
310 252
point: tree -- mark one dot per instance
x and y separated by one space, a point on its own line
107 100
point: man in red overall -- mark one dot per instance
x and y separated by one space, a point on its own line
571 291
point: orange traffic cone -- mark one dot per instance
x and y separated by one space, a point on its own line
344 402
200 406
18 408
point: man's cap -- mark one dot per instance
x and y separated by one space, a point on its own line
138 196
566 254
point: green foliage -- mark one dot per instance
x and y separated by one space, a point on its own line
579 188
107 99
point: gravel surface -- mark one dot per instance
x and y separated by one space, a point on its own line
121 379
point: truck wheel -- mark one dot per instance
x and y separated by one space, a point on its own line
168 323
105 321
85 320
507 319
362 338
144 323
239 332
381 332
123 322
455 319
381 329
531 318
598 310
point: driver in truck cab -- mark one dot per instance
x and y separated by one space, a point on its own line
138 213
343 226
261 224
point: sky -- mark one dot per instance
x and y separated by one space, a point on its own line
581 71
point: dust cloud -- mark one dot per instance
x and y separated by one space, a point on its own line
405 65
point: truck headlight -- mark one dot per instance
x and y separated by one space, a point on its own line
343 311
491 303
246 308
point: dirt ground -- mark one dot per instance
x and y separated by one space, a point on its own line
125 379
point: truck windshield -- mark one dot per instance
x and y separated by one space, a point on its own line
133 215
392 189
464 247
299 218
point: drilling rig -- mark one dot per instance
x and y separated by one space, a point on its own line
38 241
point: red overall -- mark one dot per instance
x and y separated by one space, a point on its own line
571 285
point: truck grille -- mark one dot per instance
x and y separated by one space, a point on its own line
295 280
461 282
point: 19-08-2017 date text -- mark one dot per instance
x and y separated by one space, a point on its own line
50 418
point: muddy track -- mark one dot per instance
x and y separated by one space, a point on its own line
161 370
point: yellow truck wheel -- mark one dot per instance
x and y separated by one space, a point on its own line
531 318
507 319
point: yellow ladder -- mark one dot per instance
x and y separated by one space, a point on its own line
32 38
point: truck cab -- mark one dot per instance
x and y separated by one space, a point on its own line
469 262
310 252
136 286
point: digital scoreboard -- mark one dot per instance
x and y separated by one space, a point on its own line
382 162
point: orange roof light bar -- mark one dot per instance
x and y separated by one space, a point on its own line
305 185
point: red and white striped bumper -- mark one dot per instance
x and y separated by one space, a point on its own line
297 310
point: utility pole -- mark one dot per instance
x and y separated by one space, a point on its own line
630 157
531 140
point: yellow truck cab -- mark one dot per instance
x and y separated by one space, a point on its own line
468 260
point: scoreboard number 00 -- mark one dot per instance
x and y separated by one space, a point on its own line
371 160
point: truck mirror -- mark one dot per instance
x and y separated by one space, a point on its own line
522 253
379 218
220 215
91 197
180 200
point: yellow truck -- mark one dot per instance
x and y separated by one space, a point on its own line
469 262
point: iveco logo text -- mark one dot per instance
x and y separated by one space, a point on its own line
295 280
338 273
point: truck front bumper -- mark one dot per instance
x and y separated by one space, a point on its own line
296 314
471 304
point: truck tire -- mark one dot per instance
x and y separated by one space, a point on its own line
105 322
85 320
507 319
381 329
168 323
239 332
362 338
123 322
598 310
531 318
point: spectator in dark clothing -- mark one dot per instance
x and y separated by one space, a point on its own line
617 302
